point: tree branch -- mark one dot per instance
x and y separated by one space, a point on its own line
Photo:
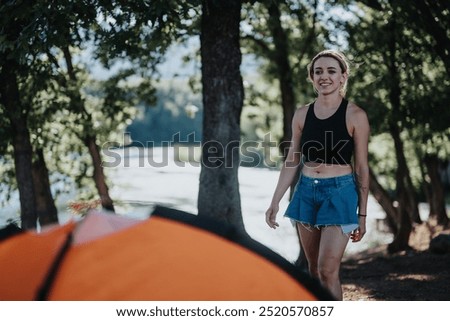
373 4
435 30
260 43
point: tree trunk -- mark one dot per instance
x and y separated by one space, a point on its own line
403 178
281 59
10 98
408 208
436 190
45 204
401 239
99 176
223 95
385 201
90 140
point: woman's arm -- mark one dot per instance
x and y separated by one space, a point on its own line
361 133
289 169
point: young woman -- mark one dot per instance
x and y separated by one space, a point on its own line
330 143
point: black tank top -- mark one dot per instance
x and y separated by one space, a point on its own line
327 141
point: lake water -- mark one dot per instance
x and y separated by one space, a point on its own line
143 178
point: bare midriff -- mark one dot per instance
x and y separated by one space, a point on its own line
325 170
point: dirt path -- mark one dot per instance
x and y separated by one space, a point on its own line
416 275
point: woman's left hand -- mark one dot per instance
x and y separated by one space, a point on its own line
358 234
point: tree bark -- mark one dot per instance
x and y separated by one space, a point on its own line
404 182
385 201
223 95
436 190
99 175
408 208
45 204
281 59
18 118
401 238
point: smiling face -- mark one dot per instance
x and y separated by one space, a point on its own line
327 76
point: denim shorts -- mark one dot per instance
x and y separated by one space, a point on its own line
320 202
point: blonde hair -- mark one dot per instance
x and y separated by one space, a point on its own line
340 58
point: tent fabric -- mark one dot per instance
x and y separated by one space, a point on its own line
99 224
228 232
170 256
26 260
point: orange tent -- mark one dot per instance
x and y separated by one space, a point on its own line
170 256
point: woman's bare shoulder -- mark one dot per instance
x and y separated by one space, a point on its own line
302 111
300 115
357 118
356 112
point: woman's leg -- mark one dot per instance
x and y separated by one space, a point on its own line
331 251
310 239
